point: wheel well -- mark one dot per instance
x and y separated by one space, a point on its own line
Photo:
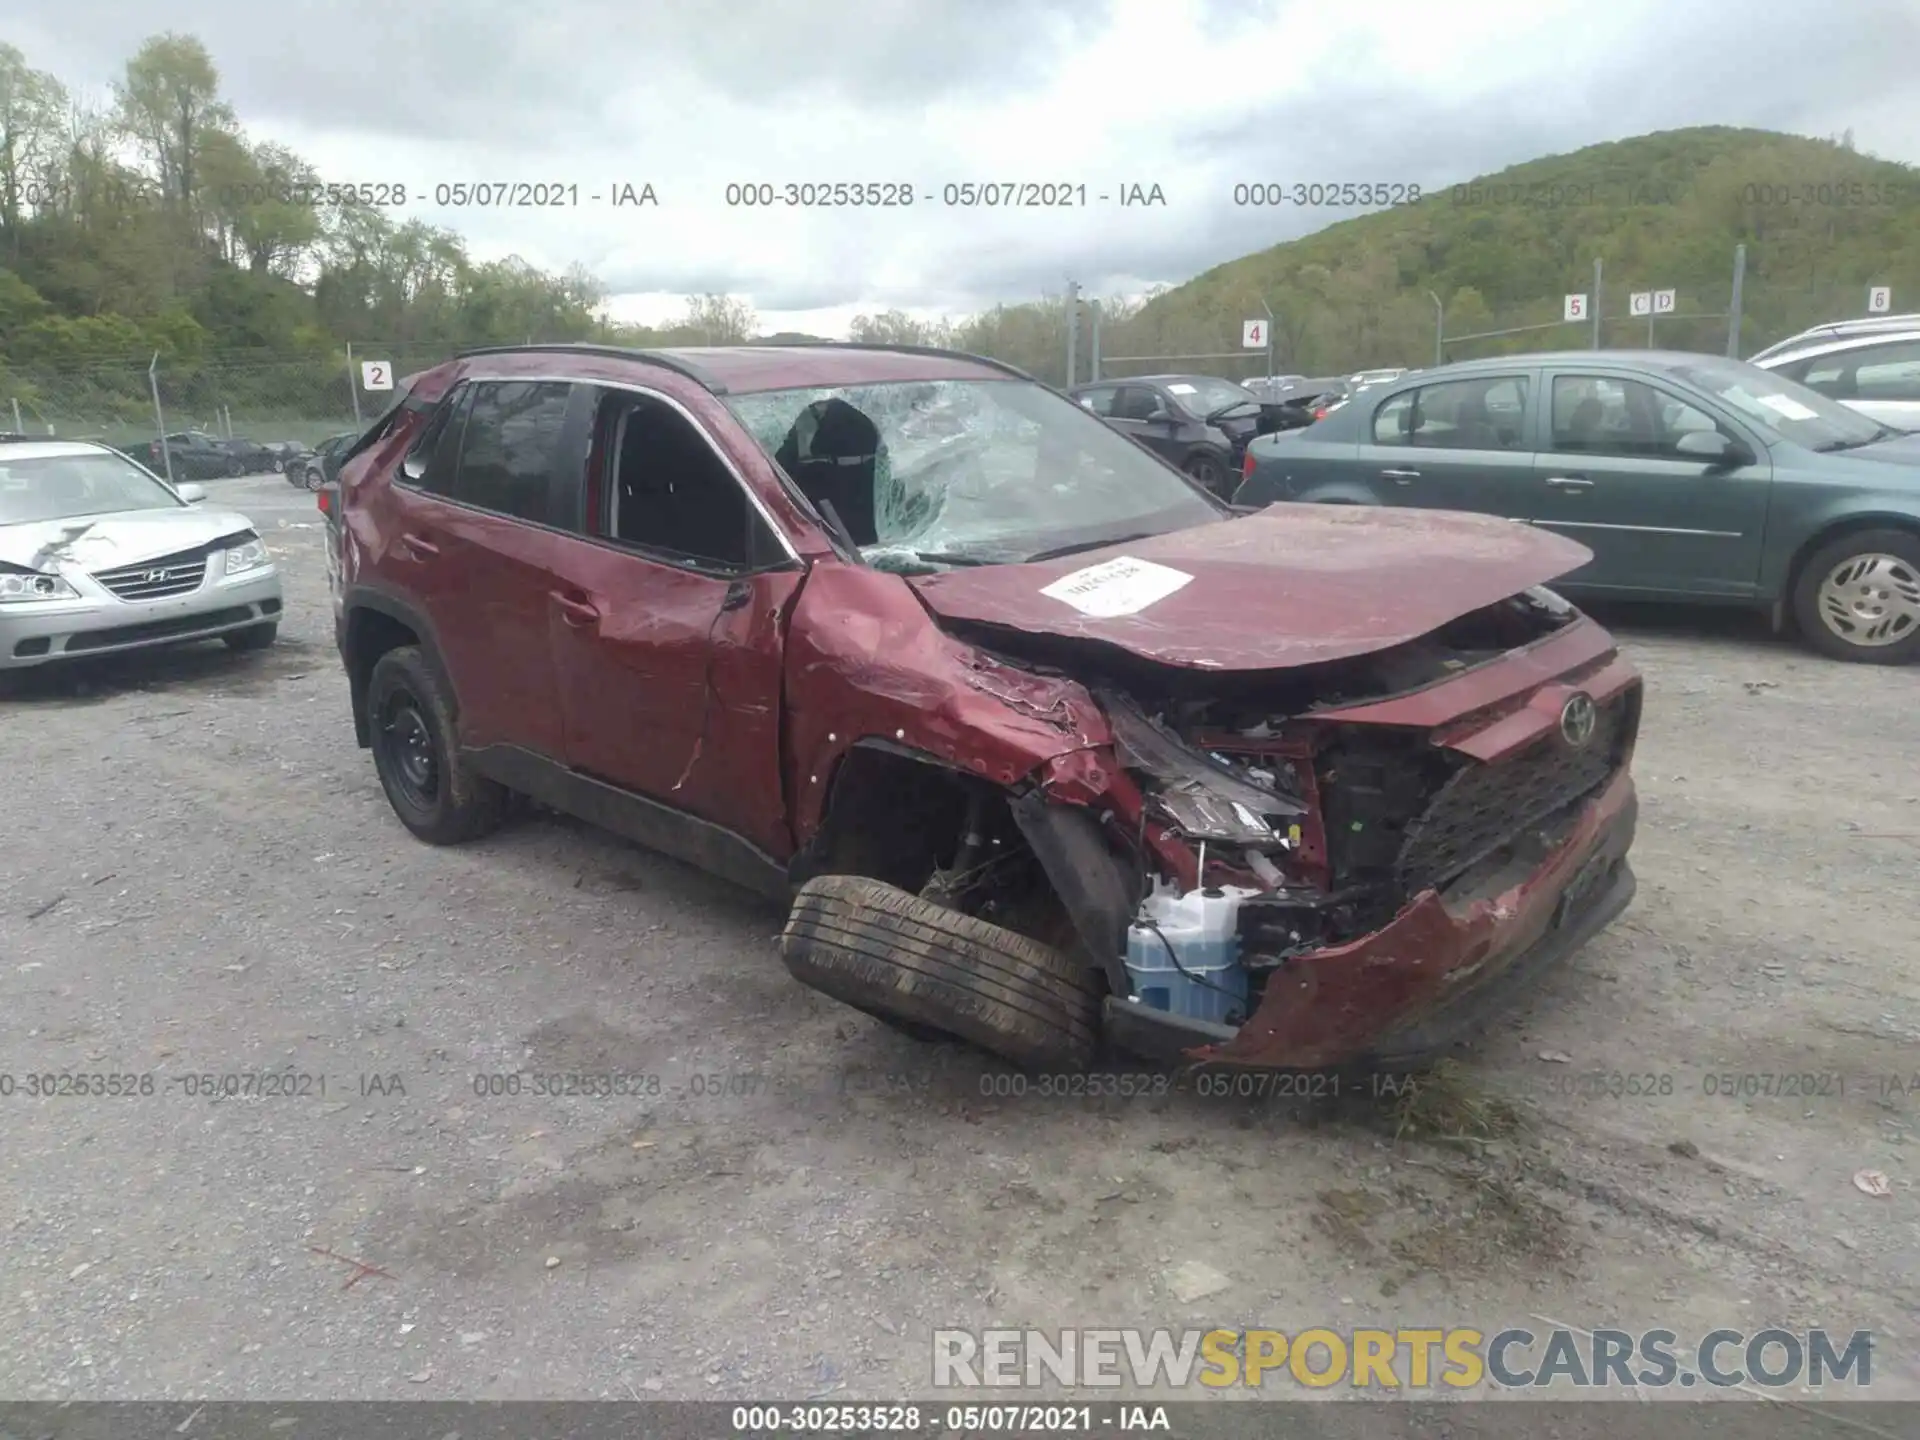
1821 538
370 634
933 831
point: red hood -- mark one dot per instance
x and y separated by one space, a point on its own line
1291 585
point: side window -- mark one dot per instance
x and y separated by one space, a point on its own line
667 491
1887 372
511 445
1477 414
1831 375
1135 402
438 445
1393 421
1100 401
1601 415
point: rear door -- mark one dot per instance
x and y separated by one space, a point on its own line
1462 444
1657 521
475 541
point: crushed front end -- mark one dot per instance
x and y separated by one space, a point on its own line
1353 865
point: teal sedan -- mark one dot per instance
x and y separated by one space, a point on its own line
1687 478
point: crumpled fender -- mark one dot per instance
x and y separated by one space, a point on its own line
866 662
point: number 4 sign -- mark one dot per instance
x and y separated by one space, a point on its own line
1576 308
376 375
1253 334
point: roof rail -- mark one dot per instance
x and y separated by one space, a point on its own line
623 352
929 350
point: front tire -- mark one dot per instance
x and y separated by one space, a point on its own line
254 637
914 963
1858 598
1209 473
416 753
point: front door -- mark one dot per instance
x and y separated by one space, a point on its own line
1142 412
1656 520
1454 445
667 623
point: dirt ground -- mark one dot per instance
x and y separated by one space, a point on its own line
200 876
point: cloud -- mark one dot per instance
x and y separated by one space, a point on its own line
1192 95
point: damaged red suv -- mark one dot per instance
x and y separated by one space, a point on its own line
1041 742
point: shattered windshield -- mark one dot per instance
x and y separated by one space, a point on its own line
931 473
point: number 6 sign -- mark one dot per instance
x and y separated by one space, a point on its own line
376 375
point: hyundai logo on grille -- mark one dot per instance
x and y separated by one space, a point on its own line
1577 721
153 577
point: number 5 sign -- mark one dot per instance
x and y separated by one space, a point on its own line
376 375
1576 308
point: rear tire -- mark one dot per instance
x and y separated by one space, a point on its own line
1858 589
913 963
235 469
254 637
416 752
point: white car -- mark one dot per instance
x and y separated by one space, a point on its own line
1873 368
1374 377
98 554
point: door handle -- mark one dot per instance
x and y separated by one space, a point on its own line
1400 477
1569 482
418 547
577 613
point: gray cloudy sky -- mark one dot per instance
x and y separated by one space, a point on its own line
1192 95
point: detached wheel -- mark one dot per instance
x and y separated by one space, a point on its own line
918 965
1858 598
416 753
254 637
1208 472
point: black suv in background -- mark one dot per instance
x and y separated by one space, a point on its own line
1199 423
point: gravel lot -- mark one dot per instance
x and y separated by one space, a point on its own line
229 893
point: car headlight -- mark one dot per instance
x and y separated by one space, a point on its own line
19 587
250 555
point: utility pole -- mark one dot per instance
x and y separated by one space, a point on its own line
1597 307
1073 332
1733 309
1439 329
1093 356
159 415
1270 365
353 386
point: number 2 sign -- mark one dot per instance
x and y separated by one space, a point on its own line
376 375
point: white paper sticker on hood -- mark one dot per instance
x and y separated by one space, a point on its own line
1122 586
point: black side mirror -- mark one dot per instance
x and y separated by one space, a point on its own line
413 469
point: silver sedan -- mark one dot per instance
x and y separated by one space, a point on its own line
98 555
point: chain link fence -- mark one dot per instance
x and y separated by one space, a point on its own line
1314 334
270 396
266 396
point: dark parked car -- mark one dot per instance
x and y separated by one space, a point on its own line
197 455
1689 477
1035 736
318 466
1197 422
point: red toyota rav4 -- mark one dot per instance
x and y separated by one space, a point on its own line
1040 740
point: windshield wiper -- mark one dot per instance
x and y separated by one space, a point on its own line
1833 445
1062 551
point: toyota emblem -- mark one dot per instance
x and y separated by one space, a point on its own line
1577 721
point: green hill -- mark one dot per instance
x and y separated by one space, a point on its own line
1821 222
